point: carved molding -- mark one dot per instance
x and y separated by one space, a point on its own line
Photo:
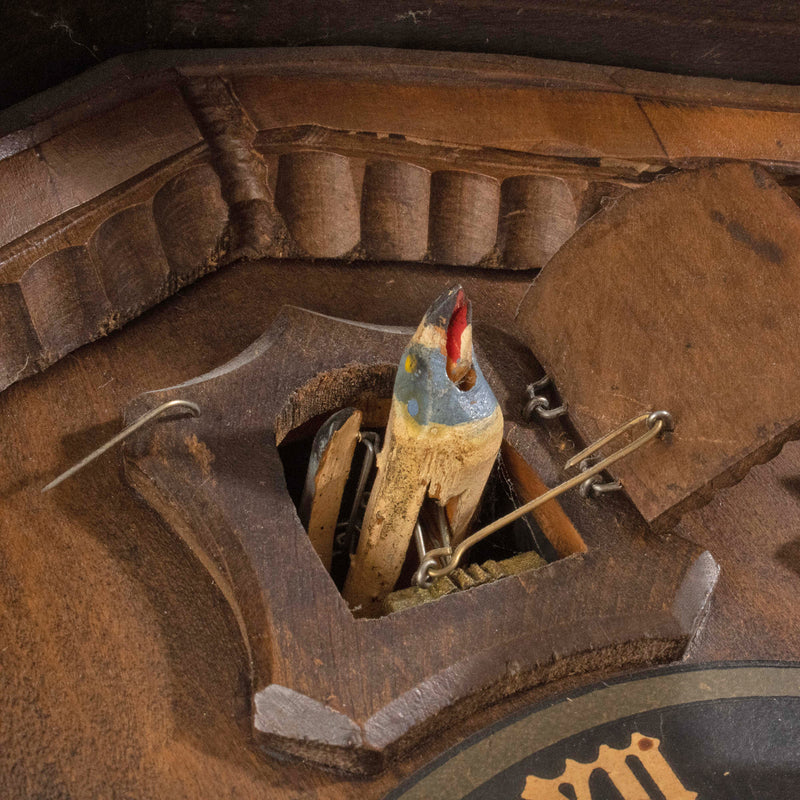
154 171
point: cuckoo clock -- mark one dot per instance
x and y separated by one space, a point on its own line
254 238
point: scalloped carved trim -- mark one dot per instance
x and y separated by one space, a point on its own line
132 190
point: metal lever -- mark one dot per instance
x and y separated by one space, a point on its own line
656 421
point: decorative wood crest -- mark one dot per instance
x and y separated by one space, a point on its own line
118 197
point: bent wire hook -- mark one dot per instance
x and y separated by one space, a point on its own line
656 421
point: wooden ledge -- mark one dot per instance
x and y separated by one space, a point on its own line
154 169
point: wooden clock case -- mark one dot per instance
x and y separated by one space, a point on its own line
355 184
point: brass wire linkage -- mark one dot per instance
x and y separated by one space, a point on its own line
656 421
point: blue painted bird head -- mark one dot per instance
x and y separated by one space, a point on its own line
438 379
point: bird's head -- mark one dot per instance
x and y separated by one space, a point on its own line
438 378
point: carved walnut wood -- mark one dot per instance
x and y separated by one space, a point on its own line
347 691
123 666
116 200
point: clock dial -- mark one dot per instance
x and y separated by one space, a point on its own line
718 732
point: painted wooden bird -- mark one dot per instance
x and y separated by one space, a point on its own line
442 438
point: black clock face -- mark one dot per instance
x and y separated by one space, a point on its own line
720 732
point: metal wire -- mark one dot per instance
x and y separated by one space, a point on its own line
656 422
539 404
122 435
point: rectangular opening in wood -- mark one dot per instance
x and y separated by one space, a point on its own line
529 543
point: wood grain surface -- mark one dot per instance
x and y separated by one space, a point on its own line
325 485
328 683
123 670
116 642
693 308
144 176
738 39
